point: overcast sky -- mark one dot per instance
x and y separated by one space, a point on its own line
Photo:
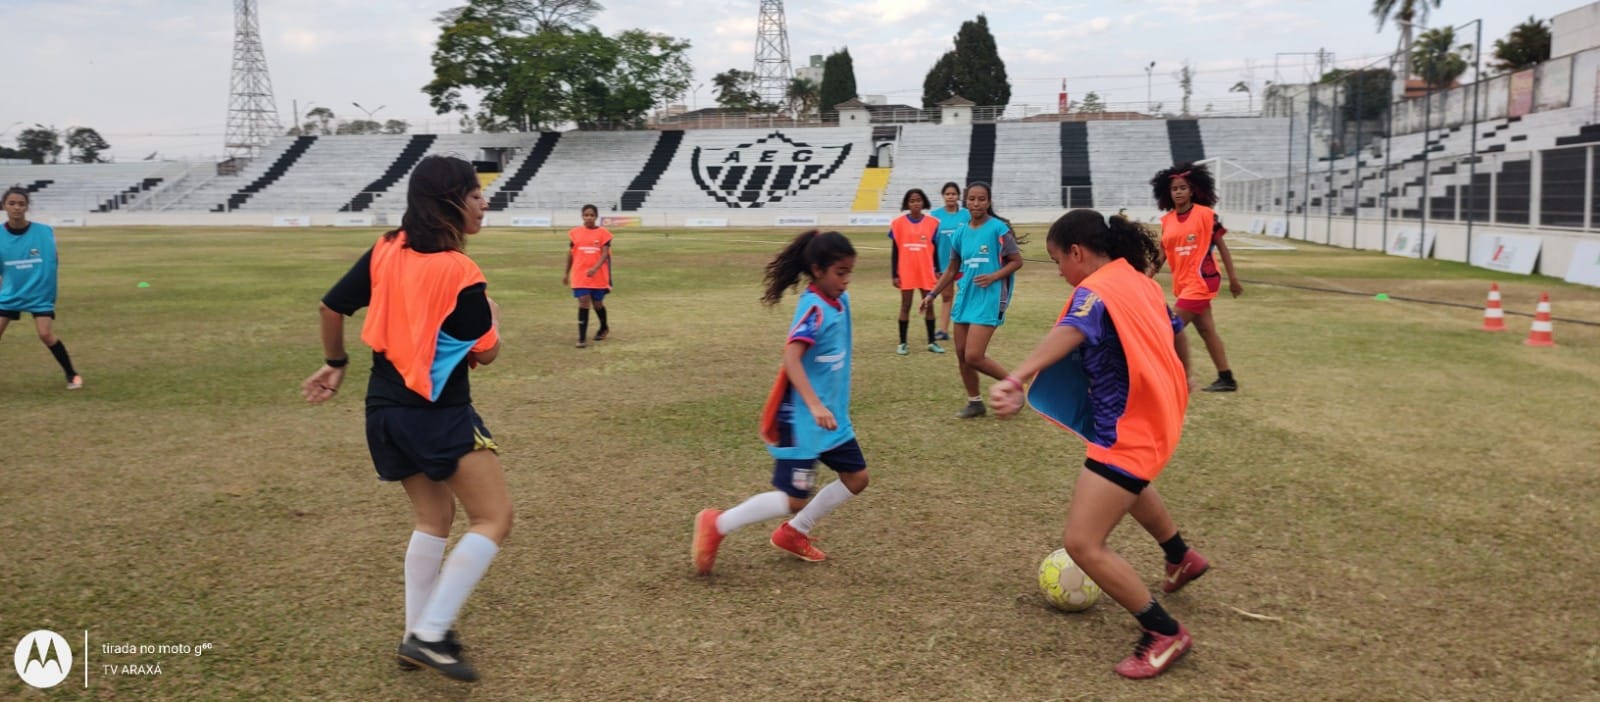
152 75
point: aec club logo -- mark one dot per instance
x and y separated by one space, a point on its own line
43 658
764 171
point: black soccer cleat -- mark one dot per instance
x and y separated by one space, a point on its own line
443 657
1222 385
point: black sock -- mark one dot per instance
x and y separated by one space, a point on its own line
904 325
583 323
59 350
1175 548
1225 375
929 324
601 313
1154 618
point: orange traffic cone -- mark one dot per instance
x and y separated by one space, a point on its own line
1542 333
1494 318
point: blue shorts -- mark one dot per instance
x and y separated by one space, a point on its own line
596 294
405 441
797 477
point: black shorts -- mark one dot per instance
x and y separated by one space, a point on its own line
405 441
1121 478
15 315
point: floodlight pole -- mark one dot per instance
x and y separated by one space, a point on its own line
1472 162
1148 105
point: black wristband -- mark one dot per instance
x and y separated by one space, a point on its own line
337 362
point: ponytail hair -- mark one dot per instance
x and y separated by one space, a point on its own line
1202 187
1115 238
811 250
949 185
1021 237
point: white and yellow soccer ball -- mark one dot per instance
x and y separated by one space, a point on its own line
1065 585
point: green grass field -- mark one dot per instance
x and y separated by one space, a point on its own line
1412 502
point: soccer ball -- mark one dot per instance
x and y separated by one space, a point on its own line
1065 585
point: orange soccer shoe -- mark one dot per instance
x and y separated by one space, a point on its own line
787 539
706 540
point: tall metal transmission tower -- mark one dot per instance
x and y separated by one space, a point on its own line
252 111
772 54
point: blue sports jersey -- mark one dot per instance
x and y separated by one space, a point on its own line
949 222
825 326
28 269
1105 365
981 249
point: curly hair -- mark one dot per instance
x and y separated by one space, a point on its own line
1202 188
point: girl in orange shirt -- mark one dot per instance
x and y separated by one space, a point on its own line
1113 370
1189 232
589 272
911 261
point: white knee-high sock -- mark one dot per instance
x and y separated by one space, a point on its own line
422 571
829 497
467 563
760 508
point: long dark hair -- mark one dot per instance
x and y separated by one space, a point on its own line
905 202
1020 237
1116 238
957 186
1202 188
811 250
436 205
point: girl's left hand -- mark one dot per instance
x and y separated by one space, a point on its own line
984 280
322 385
1005 398
1235 287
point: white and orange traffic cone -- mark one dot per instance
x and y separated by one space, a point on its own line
1494 318
1543 332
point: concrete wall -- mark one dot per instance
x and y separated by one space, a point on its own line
1575 30
1555 251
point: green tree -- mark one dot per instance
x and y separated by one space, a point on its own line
396 126
940 83
1437 59
1527 45
1092 103
980 75
321 121
360 126
84 145
40 144
535 72
838 80
736 90
1366 91
1249 94
1185 78
1406 13
804 95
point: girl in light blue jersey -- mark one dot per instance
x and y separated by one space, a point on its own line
984 258
28 278
807 415
950 217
